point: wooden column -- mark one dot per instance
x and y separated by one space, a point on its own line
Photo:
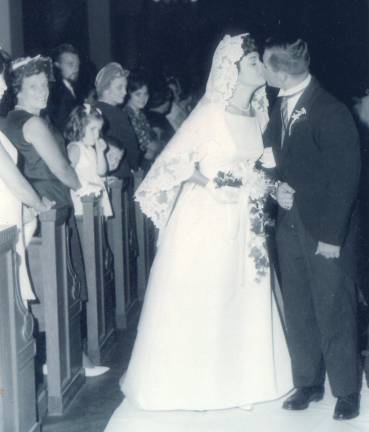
98 261
99 31
116 242
17 347
11 26
59 312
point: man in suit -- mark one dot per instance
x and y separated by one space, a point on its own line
63 93
316 147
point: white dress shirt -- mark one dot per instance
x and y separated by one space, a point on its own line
69 86
295 94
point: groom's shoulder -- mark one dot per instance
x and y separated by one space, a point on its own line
322 96
325 103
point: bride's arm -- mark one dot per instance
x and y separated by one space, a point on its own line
15 181
198 178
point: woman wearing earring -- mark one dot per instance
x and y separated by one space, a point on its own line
210 336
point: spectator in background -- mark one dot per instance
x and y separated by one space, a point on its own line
159 106
7 100
86 151
19 203
111 89
138 96
177 113
64 94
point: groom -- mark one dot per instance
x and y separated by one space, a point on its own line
316 148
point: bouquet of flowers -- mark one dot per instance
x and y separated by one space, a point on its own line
223 179
261 186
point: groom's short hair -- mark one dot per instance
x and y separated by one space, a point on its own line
291 56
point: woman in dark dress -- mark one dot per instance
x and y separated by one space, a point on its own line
42 154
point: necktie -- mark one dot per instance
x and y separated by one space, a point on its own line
284 117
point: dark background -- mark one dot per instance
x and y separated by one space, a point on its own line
180 37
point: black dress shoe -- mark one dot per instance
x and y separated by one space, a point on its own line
302 397
347 407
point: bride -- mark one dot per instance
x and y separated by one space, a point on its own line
210 336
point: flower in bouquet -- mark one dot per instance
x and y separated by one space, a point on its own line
260 186
223 179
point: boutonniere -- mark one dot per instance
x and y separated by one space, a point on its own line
296 116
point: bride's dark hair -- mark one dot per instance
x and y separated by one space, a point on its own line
249 45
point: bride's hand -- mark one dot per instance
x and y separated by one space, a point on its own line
198 178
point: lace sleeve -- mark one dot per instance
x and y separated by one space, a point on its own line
159 190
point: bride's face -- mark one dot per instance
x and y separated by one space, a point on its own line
251 71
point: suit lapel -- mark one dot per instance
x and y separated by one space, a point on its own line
304 102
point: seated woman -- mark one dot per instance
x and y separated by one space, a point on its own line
15 193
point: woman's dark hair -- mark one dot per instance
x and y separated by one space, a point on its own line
248 45
79 118
26 67
159 95
135 81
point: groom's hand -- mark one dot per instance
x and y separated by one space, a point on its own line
284 195
328 250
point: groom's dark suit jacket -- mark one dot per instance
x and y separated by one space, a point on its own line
320 159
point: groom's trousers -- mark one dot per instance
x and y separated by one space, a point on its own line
320 310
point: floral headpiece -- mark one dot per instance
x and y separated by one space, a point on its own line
224 72
24 61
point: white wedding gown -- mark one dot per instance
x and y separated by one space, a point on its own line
210 335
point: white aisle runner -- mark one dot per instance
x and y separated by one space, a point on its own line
267 417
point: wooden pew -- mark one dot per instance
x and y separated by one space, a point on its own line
59 311
117 239
17 347
99 266
142 264
130 258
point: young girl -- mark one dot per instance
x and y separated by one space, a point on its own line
86 151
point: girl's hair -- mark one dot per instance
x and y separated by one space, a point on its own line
136 80
79 118
25 67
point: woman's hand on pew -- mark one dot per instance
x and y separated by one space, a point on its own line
30 213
